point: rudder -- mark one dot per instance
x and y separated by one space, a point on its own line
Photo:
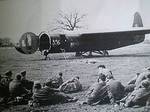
137 20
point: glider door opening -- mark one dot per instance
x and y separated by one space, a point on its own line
45 42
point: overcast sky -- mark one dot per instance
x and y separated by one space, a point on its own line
20 16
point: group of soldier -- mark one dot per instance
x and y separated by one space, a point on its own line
20 90
15 89
106 89
109 90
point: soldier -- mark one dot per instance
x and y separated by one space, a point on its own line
133 80
141 77
4 93
5 84
46 52
97 93
131 84
60 79
115 90
48 95
37 86
139 96
16 88
71 85
7 78
103 70
26 83
56 81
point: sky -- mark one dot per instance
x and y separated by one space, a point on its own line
20 16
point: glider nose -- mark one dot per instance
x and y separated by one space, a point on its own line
28 43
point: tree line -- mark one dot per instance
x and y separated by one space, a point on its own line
6 42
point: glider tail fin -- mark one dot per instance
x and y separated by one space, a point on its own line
137 20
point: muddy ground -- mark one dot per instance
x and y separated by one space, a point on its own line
124 63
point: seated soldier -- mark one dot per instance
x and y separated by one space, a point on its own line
16 88
139 96
72 85
115 89
7 78
4 93
48 95
4 86
26 83
97 93
141 77
131 84
103 70
56 81
133 80
60 79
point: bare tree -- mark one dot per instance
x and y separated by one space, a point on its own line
69 21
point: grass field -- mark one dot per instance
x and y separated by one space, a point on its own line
124 63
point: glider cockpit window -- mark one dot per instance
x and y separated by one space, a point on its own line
26 42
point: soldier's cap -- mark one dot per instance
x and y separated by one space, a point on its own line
23 73
145 83
8 73
101 66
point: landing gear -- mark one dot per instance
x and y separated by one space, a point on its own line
78 54
105 53
89 53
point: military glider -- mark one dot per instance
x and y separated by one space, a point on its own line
98 42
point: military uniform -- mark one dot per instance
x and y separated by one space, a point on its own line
141 77
72 85
4 84
133 80
115 89
4 92
139 96
97 94
48 96
16 88
7 78
56 81
27 84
